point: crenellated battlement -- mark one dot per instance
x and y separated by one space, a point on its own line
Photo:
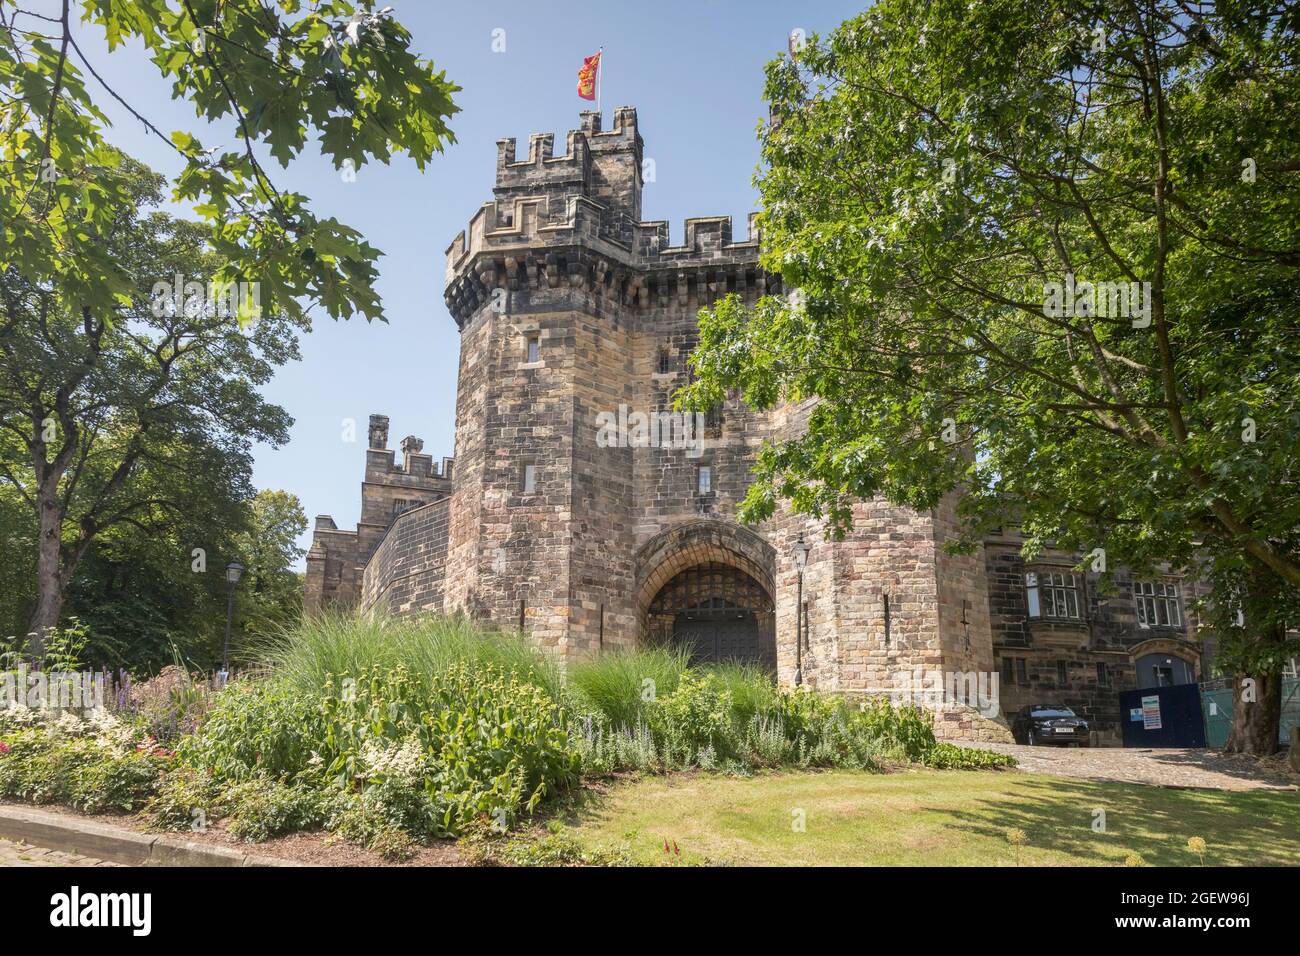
574 220
545 243
541 167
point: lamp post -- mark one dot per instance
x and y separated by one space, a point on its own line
800 552
233 570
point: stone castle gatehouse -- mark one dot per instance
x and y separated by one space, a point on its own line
569 514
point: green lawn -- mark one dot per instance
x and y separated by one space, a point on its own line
930 818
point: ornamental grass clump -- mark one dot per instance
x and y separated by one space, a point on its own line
335 646
620 686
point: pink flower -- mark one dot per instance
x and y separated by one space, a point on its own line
4 747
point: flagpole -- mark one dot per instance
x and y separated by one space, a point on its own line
600 79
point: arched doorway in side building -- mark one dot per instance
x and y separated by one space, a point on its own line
1164 662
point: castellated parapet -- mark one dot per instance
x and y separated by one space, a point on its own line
573 221
575 314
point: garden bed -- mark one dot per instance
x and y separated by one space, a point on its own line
398 736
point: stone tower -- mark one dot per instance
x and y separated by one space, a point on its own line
571 307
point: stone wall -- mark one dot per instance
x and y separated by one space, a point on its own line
405 573
336 558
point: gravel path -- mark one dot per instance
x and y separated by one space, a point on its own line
1171 767
21 854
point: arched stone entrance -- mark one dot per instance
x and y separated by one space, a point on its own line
706 586
1164 662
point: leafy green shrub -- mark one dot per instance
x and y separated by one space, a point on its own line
430 755
256 728
112 782
386 751
186 796
262 808
32 770
946 756
91 766
695 719
904 733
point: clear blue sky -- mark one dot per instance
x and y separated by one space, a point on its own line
693 70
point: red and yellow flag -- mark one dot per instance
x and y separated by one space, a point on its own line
587 76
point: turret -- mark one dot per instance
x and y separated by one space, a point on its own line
575 221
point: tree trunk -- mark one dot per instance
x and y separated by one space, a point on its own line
1257 686
49 580
1255 722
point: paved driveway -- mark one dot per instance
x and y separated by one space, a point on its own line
1171 767
20 854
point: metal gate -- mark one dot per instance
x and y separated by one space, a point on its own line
730 635
1216 710
1162 717
717 613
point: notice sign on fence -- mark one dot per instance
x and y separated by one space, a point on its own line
1151 713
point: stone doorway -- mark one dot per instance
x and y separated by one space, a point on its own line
717 613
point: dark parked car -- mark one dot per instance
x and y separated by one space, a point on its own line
1040 724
